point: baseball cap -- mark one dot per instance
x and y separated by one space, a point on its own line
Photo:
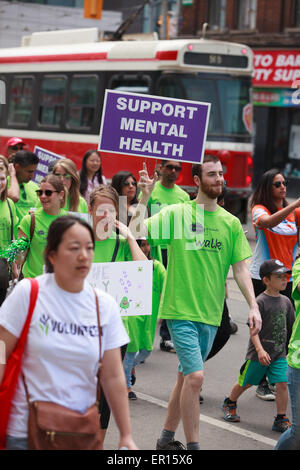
14 141
273 266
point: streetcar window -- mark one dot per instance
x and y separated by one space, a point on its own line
169 86
131 83
20 102
234 96
82 101
52 101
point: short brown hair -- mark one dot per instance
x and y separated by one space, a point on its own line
197 167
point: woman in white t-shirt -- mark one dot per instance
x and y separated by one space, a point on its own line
61 356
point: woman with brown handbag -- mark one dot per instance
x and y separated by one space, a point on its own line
54 405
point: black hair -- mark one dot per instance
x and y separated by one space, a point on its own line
55 234
83 172
25 158
263 192
118 181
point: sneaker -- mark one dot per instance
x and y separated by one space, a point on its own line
132 396
263 391
229 410
281 424
233 327
133 379
167 345
171 445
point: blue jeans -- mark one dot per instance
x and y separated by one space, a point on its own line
131 360
290 439
16 443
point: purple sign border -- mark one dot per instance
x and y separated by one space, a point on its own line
145 96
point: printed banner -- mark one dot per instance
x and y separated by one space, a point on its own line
45 158
153 126
128 282
278 68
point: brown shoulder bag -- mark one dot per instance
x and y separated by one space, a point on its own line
55 427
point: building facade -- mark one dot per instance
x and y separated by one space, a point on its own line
272 30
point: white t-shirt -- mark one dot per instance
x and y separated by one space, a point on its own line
61 356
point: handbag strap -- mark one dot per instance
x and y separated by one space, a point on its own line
116 249
34 289
100 334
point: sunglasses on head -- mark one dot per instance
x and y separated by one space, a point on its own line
173 167
127 183
67 176
47 192
277 184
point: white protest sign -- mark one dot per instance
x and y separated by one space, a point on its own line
128 282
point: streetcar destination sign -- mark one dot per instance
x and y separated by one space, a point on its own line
153 126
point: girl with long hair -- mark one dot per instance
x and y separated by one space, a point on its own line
67 171
90 173
52 196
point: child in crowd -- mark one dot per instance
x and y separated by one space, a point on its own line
267 350
142 328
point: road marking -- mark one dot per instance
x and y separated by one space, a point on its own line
215 422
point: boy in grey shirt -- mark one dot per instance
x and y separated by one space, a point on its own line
267 350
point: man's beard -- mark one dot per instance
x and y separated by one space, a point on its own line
211 192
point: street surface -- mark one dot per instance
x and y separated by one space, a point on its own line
156 377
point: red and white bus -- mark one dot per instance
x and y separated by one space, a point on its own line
54 96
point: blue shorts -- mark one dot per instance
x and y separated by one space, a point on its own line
252 372
193 341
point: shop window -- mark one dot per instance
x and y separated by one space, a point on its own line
296 14
20 102
217 14
82 101
246 14
52 100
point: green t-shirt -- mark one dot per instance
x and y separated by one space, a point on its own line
202 246
294 344
28 198
82 206
5 223
34 263
142 327
104 251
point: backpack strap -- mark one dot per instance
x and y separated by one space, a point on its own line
116 249
11 221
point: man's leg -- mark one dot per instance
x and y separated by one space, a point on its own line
193 342
190 406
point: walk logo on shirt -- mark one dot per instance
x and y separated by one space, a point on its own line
47 325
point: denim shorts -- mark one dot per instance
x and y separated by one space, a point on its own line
16 443
252 372
193 341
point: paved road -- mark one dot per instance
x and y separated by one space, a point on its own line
157 376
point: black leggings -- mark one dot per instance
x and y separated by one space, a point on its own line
104 409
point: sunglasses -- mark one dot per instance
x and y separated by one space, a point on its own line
47 192
67 176
277 184
173 167
127 183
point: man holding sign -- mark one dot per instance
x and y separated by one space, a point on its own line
203 242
